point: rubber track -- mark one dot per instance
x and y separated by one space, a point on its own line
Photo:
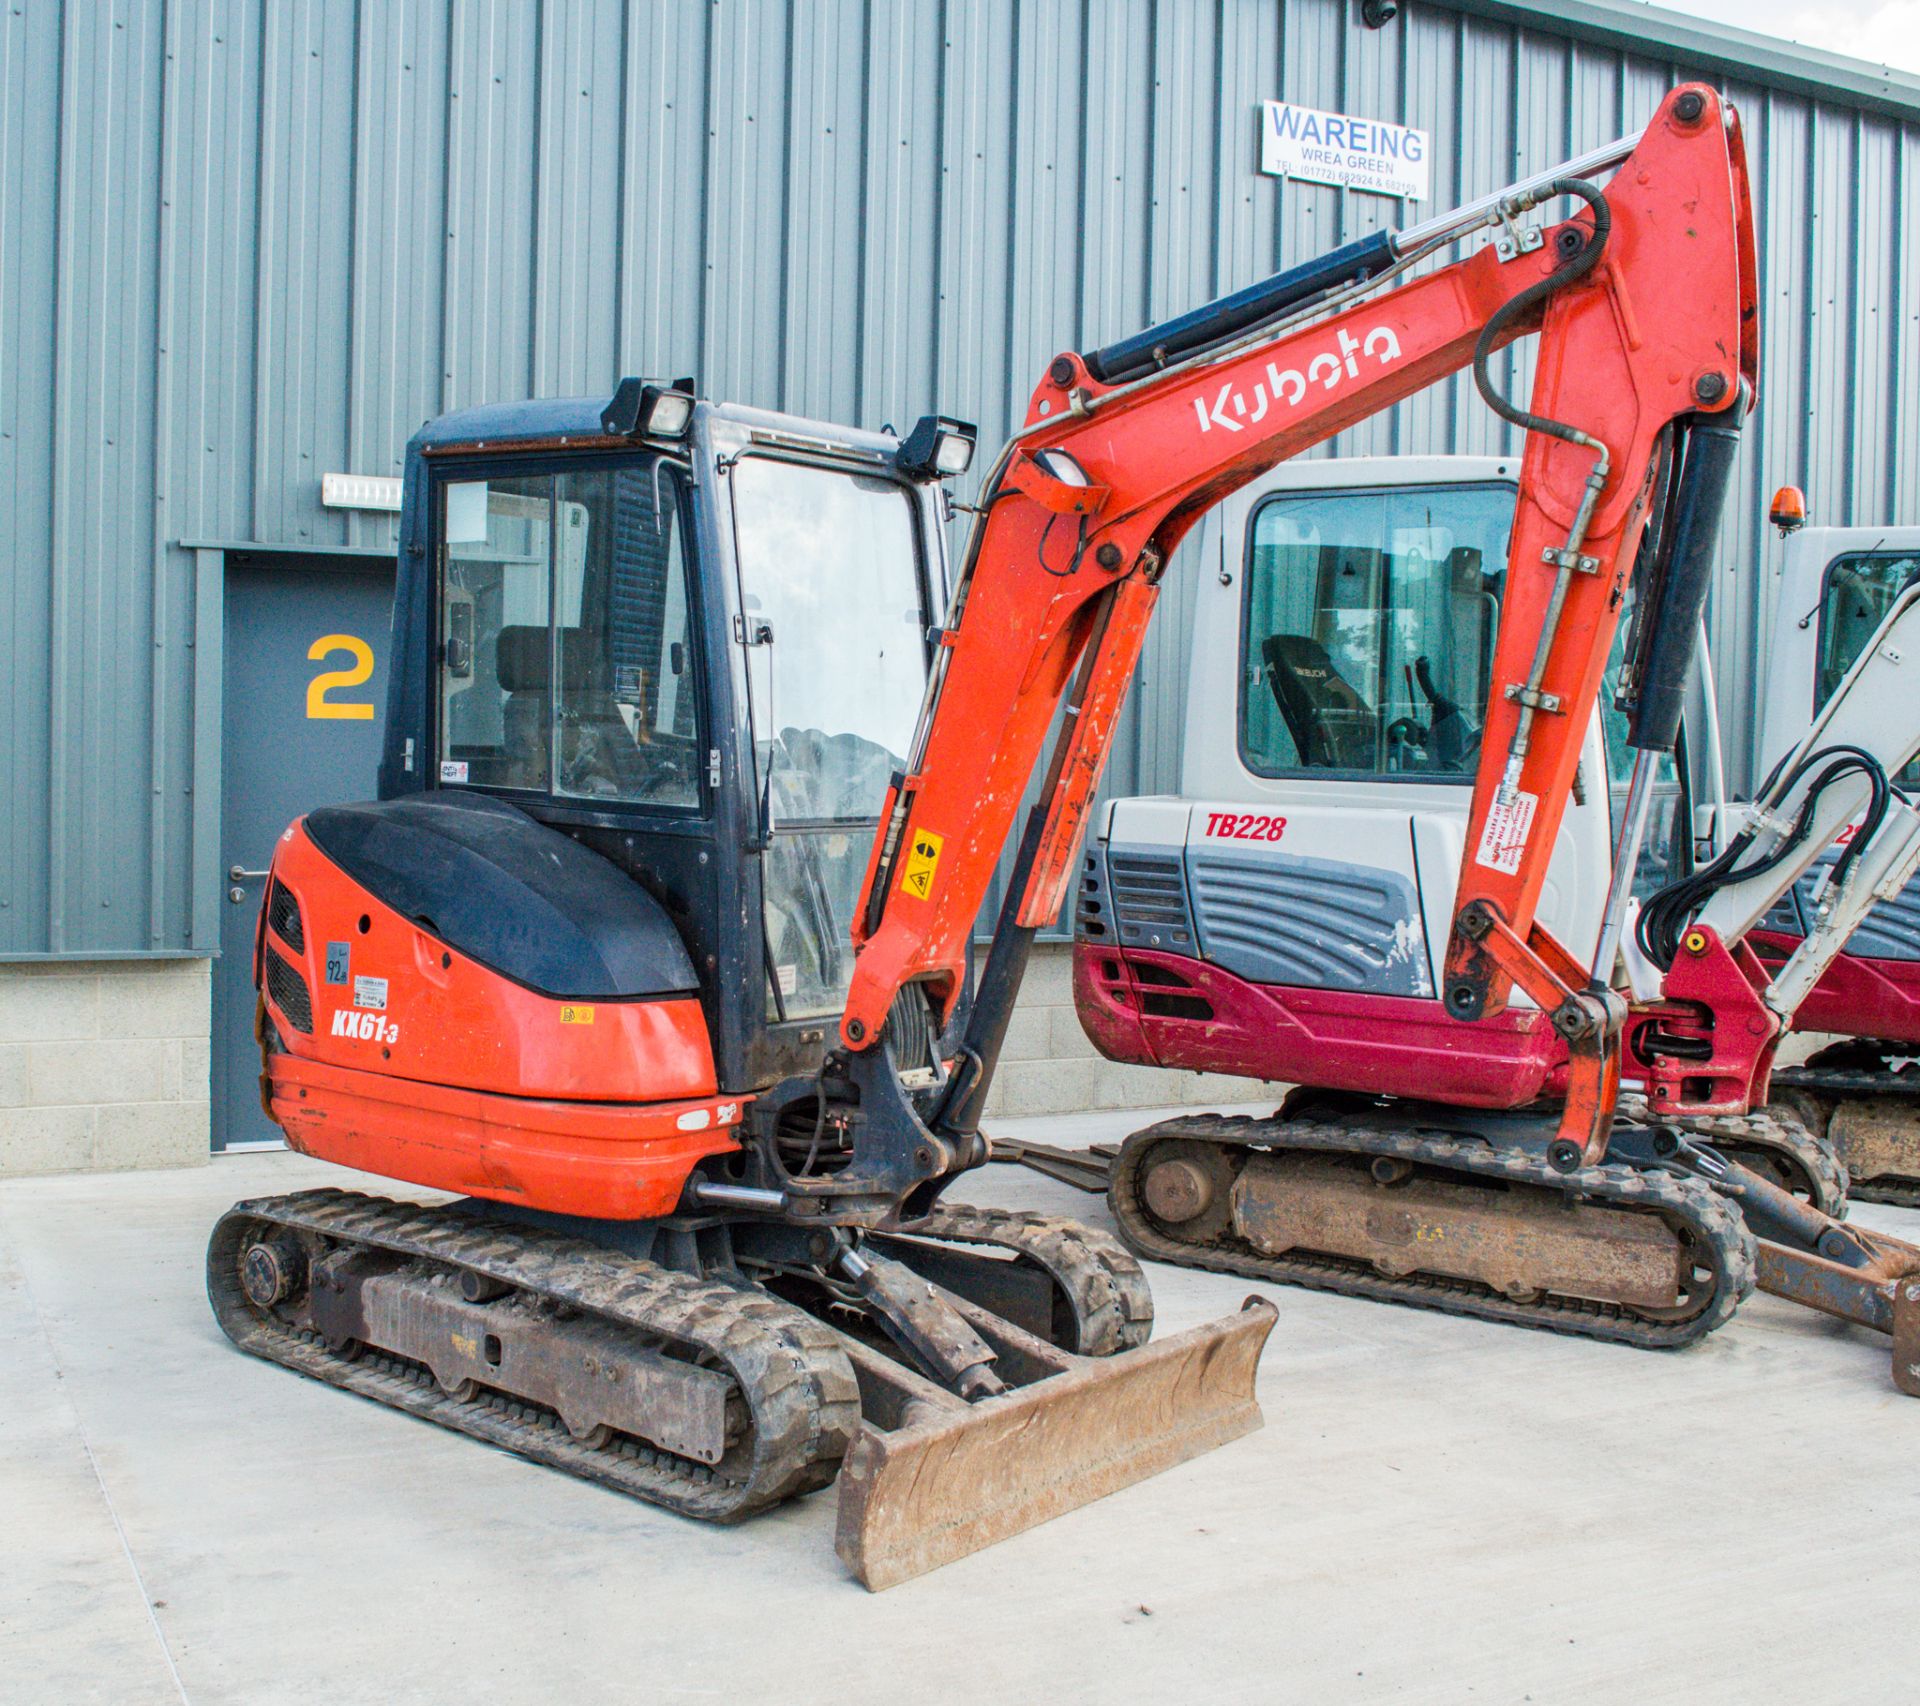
1714 1221
1845 1083
1816 1160
1103 1282
799 1386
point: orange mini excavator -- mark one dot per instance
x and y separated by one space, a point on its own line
654 949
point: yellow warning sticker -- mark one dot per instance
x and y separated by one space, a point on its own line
576 1015
923 859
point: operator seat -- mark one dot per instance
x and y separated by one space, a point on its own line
1331 725
597 746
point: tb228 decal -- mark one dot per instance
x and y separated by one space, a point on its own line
1245 826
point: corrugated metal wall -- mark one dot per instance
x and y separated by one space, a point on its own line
242 244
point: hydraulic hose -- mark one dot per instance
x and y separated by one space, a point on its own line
1570 271
1666 914
1575 267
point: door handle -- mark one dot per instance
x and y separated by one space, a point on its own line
238 874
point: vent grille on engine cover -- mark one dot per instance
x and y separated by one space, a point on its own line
1148 894
287 990
283 913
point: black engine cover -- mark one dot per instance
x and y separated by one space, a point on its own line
505 890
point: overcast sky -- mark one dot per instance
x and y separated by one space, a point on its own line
1887 32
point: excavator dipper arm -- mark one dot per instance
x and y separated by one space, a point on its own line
1644 302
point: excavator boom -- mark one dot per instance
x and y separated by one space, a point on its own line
1645 306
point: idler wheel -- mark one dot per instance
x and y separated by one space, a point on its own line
1178 1190
1188 1188
272 1270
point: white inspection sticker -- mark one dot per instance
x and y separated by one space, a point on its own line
1504 837
370 992
453 769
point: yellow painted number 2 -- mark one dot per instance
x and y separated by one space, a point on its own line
318 704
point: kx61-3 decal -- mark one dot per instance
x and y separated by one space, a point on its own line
368 1027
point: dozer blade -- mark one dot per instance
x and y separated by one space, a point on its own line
931 1478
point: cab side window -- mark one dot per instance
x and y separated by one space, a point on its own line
567 633
1855 596
496 583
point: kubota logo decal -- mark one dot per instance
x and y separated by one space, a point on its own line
368 1027
1287 386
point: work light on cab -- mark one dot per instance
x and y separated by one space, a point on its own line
937 449
641 409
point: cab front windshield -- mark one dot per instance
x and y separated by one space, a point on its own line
834 617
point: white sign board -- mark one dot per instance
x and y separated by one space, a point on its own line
1336 148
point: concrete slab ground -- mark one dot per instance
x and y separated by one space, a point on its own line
1436 1510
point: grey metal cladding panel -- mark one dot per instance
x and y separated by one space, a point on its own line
1319 923
748 213
662 281
1246 238
303 327
1829 309
1186 124
492 150
1369 81
577 190
974 239
399 251
1874 308
101 616
213 126
825 158
1486 144
1903 497
29 136
1119 137
899 264
1047 203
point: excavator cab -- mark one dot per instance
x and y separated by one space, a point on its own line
700 657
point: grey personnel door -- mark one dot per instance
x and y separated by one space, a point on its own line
306 695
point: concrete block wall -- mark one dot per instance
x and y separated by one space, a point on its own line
1049 1067
104 1065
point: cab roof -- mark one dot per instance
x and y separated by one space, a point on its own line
545 419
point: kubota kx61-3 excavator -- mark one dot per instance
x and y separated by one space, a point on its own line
581 962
